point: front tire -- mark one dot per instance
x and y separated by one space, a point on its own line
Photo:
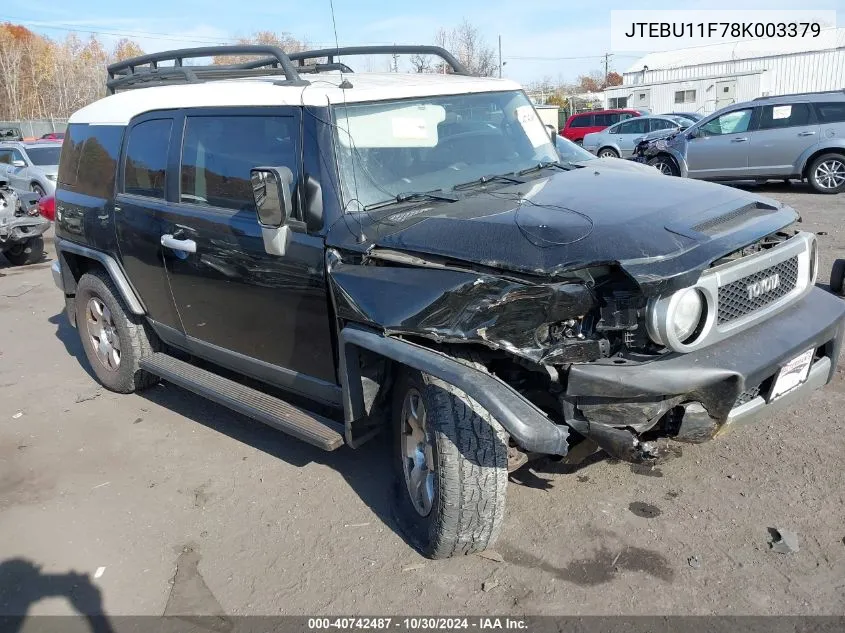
29 252
665 166
38 190
607 152
114 339
837 277
451 468
827 173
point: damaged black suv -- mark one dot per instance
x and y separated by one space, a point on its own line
337 254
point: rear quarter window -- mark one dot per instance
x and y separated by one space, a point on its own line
831 111
88 162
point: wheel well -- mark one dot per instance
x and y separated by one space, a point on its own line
830 150
77 265
667 156
35 182
603 147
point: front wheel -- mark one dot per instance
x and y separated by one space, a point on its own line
451 468
607 152
827 173
664 165
29 252
38 190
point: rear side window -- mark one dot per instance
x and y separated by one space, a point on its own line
582 121
784 115
831 111
219 151
144 173
88 160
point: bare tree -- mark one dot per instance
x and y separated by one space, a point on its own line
421 63
466 43
287 42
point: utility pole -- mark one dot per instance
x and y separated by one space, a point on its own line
500 57
395 61
607 57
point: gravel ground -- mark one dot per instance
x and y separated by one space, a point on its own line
164 503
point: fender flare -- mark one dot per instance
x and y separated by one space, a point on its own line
530 428
112 268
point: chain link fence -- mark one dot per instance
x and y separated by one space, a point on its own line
36 128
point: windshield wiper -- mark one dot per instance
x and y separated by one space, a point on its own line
485 179
434 194
544 165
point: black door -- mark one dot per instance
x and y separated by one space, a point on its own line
138 204
264 315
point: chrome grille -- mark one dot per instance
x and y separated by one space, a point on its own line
733 297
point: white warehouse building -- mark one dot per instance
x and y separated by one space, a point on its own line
705 78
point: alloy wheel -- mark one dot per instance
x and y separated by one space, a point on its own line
103 333
417 453
830 174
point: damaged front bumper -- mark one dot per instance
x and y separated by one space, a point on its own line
21 229
694 396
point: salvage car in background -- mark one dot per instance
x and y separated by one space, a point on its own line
573 154
31 166
789 137
21 226
619 141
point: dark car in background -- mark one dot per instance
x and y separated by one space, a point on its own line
579 125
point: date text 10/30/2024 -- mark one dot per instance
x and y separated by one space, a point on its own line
416 624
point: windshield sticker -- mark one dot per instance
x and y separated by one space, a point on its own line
531 124
781 112
390 125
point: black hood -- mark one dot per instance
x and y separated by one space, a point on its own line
661 230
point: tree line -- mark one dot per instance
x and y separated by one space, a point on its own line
43 78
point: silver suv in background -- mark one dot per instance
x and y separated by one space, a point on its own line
799 137
31 166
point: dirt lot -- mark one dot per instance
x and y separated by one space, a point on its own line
166 503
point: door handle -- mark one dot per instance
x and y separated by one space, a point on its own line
741 139
188 246
806 133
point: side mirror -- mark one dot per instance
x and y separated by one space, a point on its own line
18 163
271 190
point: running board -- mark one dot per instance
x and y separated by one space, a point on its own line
308 427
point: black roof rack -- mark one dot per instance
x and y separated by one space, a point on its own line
144 70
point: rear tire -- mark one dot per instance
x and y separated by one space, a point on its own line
607 152
665 166
458 457
827 173
837 277
114 339
29 252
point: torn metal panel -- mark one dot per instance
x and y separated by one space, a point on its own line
458 306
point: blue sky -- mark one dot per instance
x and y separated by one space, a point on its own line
544 38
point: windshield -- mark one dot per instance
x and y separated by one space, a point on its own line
391 148
569 152
43 155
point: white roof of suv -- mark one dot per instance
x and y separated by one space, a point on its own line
323 89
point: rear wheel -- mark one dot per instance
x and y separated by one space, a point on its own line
114 339
29 252
451 468
579 142
827 173
608 152
837 277
665 165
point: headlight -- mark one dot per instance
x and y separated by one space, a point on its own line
687 313
677 320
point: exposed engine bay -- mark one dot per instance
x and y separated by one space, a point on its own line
19 218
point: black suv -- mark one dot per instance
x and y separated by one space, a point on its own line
409 253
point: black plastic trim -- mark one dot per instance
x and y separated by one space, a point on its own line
529 427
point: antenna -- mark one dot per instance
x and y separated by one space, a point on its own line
344 85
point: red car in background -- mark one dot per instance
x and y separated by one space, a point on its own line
54 136
579 125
